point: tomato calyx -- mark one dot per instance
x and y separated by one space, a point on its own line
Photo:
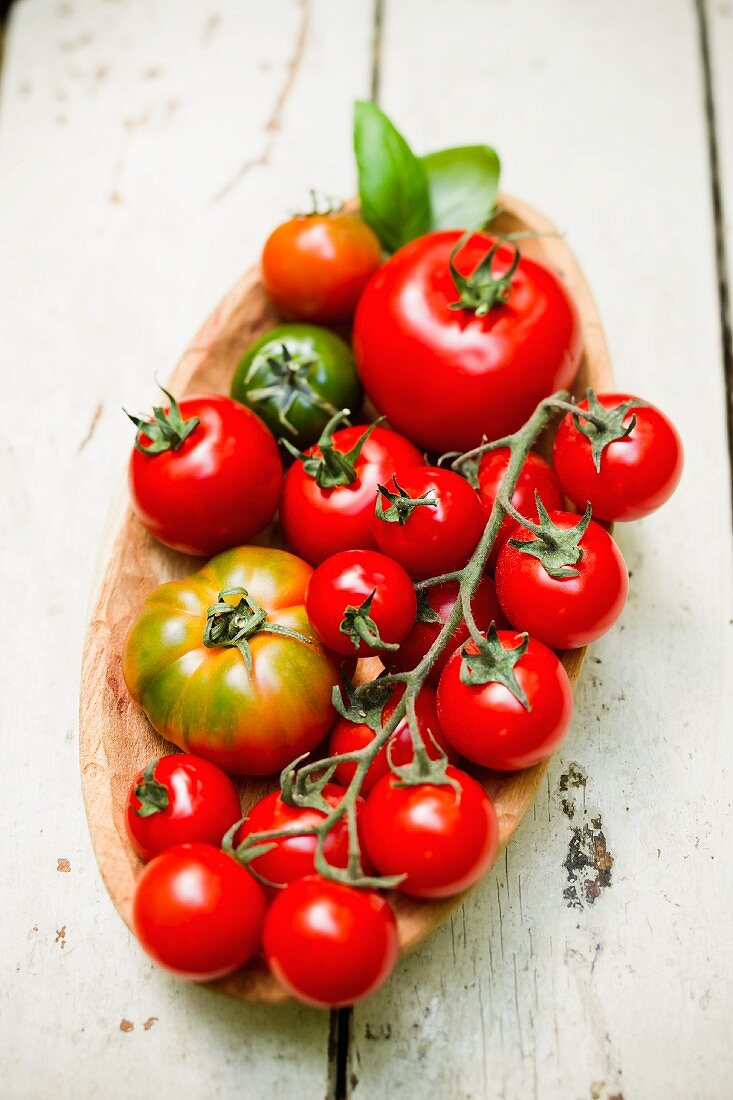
487 661
400 505
234 624
426 613
166 431
363 705
152 795
557 549
321 206
481 290
332 467
602 426
358 625
286 381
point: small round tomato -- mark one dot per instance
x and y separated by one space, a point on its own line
570 611
489 725
636 473
198 912
179 799
360 602
329 944
443 837
292 857
429 520
440 600
204 475
536 476
296 377
315 266
349 736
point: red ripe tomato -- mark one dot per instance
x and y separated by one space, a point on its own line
349 736
329 944
568 612
292 857
536 476
637 473
441 837
440 599
179 799
318 522
360 602
315 266
490 726
209 480
448 376
435 537
198 912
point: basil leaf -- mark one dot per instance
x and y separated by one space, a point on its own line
463 185
393 185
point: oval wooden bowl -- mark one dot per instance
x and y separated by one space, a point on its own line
116 739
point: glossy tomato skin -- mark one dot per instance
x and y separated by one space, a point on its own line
570 612
536 476
433 539
348 579
638 473
198 912
315 266
488 725
203 699
443 841
441 598
329 944
220 488
320 522
446 377
202 805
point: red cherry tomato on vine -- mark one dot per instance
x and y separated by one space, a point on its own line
329 944
443 838
179 799
198 912
359 602
436 536
536 476
637 473
448 377
212 479
490 726
315 266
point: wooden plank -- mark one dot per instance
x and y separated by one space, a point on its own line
717 22
610 979
128 210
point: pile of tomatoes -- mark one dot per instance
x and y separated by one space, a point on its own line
247 664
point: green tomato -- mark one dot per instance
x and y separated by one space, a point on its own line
296 377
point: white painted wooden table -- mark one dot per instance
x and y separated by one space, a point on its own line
145 148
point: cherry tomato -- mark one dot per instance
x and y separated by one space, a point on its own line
440 599
536 476
446 377
360 602
209 480
490 726
315 266
436 536
568 612
179 799
637 473
198 912
441 837
329 944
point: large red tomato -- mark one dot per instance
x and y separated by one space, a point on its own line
536 476
448 376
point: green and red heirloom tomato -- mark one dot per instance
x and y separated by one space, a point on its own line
566 589
226 664
429 520
457 340
198 912
204 474
441 836
536 476
434 607
315 266
329 944
361 602
296 377
330 492
509 707
179 799
627 461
